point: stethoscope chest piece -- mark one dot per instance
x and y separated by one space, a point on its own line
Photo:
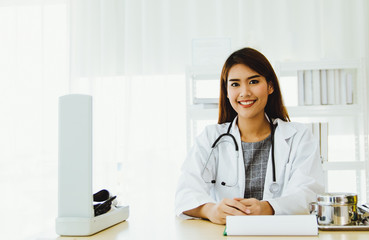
274 187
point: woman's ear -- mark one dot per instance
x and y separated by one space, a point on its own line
270 88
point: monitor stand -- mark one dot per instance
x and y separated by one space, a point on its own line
75 201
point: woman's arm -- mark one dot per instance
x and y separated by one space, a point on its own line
217 212
192 191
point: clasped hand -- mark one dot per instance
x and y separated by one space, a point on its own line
237 207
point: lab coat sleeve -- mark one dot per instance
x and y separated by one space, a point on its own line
305 177
192 191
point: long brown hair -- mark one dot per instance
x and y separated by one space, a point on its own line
260 64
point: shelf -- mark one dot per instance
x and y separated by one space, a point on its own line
206 101
353 165
324 110
203 112
287 68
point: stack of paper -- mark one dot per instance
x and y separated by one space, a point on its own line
272 225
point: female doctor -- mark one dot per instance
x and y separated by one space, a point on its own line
254 161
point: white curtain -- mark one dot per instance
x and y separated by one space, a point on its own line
131 56
115 37
33 73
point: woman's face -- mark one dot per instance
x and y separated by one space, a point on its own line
247 91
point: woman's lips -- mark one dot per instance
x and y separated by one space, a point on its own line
246 103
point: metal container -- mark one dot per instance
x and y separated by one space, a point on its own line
313 207
337 209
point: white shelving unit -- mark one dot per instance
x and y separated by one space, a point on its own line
201 106
347 123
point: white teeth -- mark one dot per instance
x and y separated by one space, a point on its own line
246 103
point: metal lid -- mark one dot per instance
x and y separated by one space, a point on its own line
337 198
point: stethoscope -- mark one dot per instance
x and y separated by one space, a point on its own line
273 187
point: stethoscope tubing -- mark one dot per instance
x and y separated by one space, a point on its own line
226 134
272 141
274 187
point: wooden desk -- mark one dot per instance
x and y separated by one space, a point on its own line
166 226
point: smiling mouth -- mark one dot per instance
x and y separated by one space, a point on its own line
248 103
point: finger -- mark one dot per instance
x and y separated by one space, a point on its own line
248 211
235 204
254 208
249 201
245 202
233 211
252 205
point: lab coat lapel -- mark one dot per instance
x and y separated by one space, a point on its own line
282 149
241 166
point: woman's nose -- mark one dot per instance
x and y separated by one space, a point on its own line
245 91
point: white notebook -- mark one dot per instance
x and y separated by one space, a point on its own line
276 225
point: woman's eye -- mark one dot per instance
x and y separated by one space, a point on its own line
254 81
234 84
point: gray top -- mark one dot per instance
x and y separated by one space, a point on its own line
255 155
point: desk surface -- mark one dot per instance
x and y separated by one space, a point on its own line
141 225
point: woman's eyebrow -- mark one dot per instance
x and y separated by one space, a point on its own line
254 76
237 79
234 80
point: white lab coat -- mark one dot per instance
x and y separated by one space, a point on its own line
298 170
